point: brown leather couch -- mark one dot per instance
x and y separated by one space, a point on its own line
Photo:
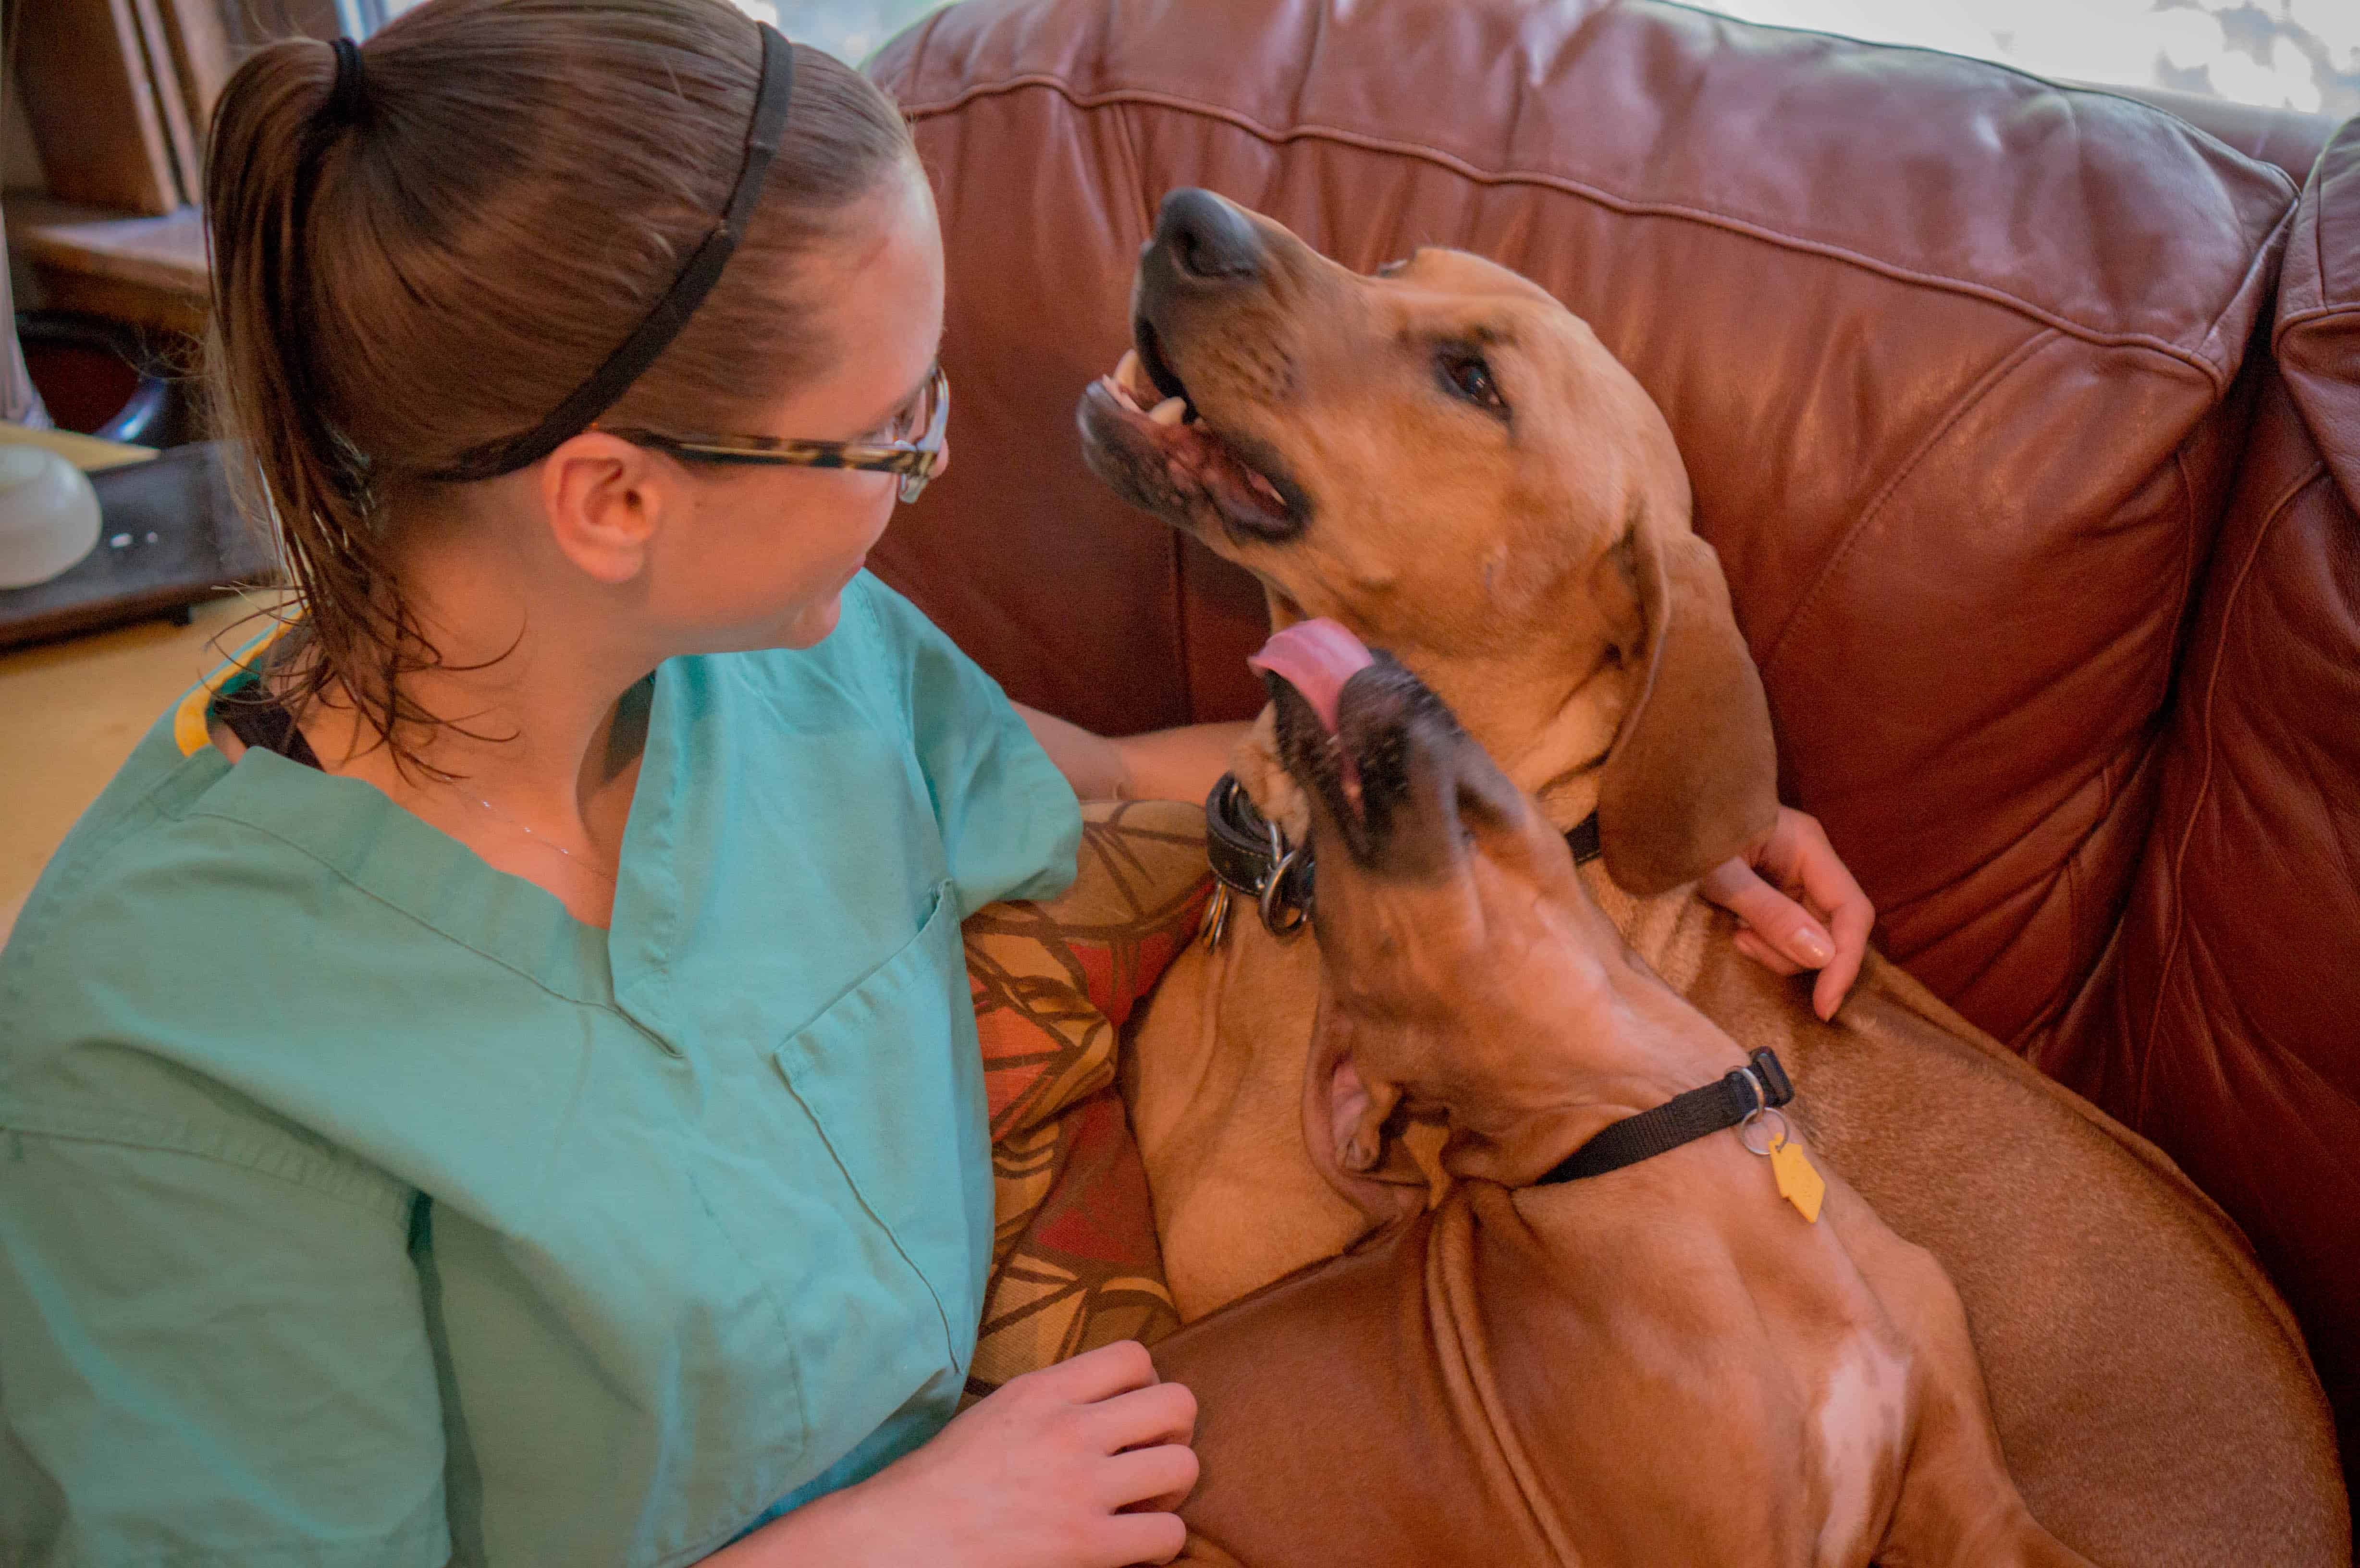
2025 419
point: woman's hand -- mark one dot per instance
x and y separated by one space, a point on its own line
1808 914
1078 1465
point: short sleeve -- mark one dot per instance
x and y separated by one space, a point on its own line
1009 822
210 1358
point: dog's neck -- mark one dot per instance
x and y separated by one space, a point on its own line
1643 1049
1545 709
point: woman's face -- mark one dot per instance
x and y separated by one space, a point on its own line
767 552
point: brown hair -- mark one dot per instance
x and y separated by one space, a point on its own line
513 187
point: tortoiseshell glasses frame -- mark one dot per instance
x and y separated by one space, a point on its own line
916 461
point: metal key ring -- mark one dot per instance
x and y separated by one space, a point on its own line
1282 914
1762 1113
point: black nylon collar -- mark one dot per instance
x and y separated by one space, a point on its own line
1761 1086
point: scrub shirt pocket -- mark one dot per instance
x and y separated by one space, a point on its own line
892 1078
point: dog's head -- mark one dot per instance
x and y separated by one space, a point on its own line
1446 460
1466 973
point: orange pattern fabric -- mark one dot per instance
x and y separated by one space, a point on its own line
1075 1262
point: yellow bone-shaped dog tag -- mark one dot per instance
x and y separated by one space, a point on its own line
1799 1182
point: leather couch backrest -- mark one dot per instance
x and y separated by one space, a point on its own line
1954 356
2222 1024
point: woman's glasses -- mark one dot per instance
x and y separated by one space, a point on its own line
912 448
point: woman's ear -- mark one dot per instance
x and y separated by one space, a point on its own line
605 500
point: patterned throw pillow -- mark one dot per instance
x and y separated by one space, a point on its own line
1075 1263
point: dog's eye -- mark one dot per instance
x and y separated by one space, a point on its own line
1469 376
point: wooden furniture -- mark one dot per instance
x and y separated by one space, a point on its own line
117 94
148 270
170 536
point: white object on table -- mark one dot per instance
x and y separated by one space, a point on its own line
48 515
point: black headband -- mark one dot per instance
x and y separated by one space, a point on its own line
343 101
672 312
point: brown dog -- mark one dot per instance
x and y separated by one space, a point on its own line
1444 460
1661 1362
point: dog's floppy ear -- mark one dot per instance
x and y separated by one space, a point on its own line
1344 1127
1693 774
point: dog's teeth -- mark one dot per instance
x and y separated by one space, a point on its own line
1126 369
1168 412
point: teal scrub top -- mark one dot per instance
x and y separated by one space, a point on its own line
359 1205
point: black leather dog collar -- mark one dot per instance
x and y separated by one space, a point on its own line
1251 858
1762 1085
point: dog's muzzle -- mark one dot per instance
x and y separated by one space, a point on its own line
1252 859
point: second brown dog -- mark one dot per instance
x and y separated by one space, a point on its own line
1664 1361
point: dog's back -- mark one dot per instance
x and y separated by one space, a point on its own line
1543 1378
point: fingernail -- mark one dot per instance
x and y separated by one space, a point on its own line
1815 946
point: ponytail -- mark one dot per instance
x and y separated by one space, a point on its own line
269 140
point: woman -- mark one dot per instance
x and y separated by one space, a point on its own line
493 1077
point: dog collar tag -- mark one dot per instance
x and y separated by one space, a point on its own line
1799 1182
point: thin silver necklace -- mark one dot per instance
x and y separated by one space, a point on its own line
591 867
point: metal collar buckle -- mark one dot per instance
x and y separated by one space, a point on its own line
1251 858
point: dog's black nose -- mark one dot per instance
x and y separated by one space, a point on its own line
1209 240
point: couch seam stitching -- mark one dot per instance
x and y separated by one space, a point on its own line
2204 779
1751 228
2007 365
2309 314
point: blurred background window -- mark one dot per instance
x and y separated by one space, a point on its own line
2280 54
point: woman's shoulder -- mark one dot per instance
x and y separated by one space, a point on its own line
175 944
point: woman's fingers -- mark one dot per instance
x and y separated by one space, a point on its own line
1822 919
1851 922
1781 923
1100 1374
1144 1538
1163 1413
1801 854
1153 1480
1762 953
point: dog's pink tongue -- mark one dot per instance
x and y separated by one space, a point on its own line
1316 658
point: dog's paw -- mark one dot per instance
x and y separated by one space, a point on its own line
1267 783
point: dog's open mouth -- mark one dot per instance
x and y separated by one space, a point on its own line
1143 434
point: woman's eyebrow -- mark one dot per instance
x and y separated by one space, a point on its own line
910 397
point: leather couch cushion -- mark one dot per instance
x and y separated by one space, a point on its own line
2224 1027
1950 352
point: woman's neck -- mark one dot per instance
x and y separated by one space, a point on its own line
536 763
